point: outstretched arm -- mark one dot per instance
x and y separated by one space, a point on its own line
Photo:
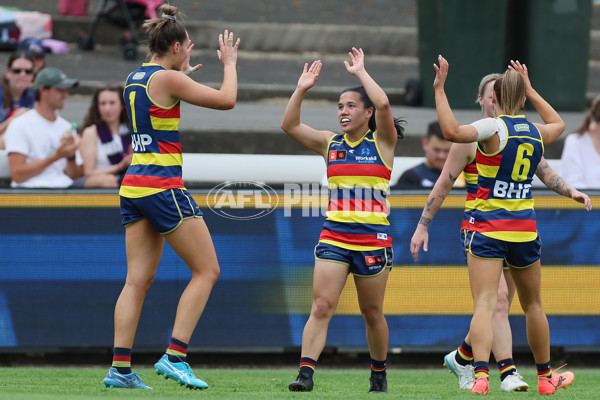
553 124
304 134
386 131
557 183
448 123
458 157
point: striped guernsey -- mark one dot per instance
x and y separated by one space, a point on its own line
358 179
157 159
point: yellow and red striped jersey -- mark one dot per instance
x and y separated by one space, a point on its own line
504 203
157 160
358 180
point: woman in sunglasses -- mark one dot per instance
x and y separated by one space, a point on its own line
17 95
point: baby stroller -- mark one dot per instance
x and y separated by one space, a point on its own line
125 14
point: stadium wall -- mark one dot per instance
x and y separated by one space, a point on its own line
63 266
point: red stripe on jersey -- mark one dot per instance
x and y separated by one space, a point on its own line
465 225
121 358
471 168
169 148
356 239
507 225
472 196
152 181
357 205
158 112
482 193
493 161
376 170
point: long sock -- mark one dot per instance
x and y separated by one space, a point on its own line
544 370
378 367
506 368
177 351
464 354
482 368
122 360
307 366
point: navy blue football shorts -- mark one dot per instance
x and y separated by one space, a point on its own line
361 263
165 210
515 254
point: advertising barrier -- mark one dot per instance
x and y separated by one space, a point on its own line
63 267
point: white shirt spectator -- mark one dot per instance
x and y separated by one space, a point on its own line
37 138
580 162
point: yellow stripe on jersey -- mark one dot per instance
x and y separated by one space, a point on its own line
488 171
350 182
470 204
471 178
512 236
510 205
360 217
350 246
135 192
168 159
164 124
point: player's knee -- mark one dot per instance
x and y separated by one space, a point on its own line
502 305
371 315
322 308
140 283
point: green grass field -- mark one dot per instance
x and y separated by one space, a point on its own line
51 383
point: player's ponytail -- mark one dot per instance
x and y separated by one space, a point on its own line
164 30
510 91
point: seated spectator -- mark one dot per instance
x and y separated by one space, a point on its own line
580 160
106 140
436 150
41 145
35 49
17 95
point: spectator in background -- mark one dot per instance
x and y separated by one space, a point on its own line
34 48
106 139
436 152
580 160
41 145
17 95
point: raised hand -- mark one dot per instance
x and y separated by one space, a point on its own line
521 69
227 52
441 72
357 56
309 76
186 68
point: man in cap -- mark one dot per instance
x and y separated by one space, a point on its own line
35 48
41 145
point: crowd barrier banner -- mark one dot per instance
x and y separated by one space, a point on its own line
63 267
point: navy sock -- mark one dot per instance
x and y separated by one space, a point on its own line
177 351
506 367
307 366
464 354
378 367
122 360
